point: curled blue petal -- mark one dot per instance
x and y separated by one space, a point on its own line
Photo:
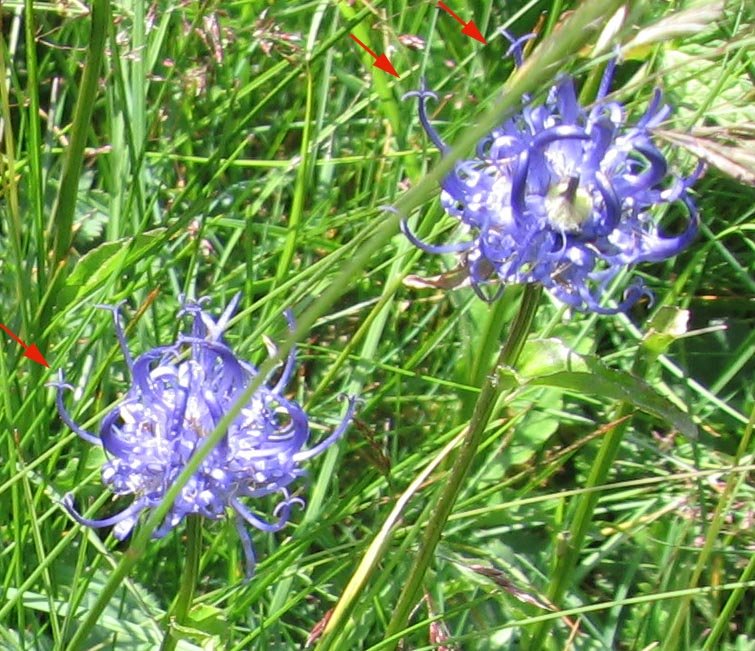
430 248
120 335
515 45
607 78
423 94
337 434
128 513
60 385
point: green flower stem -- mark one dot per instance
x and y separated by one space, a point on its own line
182 604
491 391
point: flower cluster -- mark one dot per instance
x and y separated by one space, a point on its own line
179 395
561 195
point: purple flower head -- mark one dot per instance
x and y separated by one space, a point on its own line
562 195
179 394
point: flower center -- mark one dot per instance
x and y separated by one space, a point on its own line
568 205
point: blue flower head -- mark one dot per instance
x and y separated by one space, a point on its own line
563 195
179 394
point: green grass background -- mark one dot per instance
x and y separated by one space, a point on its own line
167 149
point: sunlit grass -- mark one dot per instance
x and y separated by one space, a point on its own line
248 147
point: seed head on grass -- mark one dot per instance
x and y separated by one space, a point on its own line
563 195
179 394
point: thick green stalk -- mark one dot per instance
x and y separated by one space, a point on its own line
36 176
491 391
9 189
382 83
61 226
181 606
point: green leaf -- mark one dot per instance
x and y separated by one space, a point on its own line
537 426
209 619
544 356
551 363
696 74
98 265
620 385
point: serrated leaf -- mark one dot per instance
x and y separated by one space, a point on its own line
88 226
124 616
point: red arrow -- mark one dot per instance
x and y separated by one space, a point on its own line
30 351
470 29
381 61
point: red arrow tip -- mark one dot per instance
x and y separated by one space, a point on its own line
383 63
470 29
32 352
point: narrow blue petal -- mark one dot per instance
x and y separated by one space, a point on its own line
65 416
136 507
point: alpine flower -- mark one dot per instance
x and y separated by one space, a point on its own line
179 394
563 195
